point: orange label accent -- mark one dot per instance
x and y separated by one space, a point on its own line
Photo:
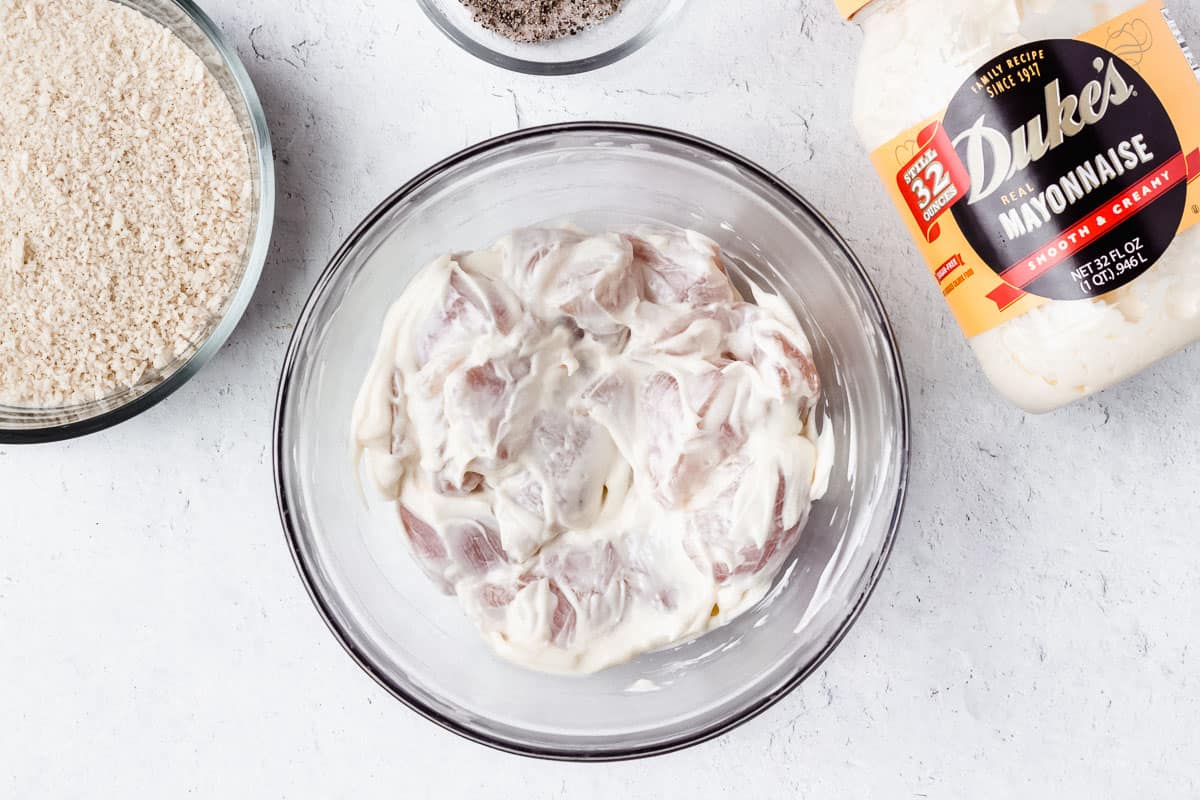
848 8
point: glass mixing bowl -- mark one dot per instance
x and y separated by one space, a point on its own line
20 424
349 546
637 22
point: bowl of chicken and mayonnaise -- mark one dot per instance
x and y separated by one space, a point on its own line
591 441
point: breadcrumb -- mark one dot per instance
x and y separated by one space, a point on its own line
125 197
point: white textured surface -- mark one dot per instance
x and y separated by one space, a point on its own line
1034 635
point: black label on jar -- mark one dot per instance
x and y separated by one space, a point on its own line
1078 182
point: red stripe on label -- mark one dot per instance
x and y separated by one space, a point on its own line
1099 223
1004 295
1193 165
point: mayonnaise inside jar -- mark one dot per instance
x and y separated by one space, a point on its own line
1044 155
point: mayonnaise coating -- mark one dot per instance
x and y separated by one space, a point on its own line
1062 350
592 440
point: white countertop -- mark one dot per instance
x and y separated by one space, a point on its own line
1037 632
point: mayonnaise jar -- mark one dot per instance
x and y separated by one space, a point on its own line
1043 154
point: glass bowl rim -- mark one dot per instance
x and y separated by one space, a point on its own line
291 528
572 66
256 258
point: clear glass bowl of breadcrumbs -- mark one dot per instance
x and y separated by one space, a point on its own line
28 424
634 24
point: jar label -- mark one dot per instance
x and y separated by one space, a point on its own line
1061 170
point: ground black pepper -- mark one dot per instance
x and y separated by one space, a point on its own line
532 21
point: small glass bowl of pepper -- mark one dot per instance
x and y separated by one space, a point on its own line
551 37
